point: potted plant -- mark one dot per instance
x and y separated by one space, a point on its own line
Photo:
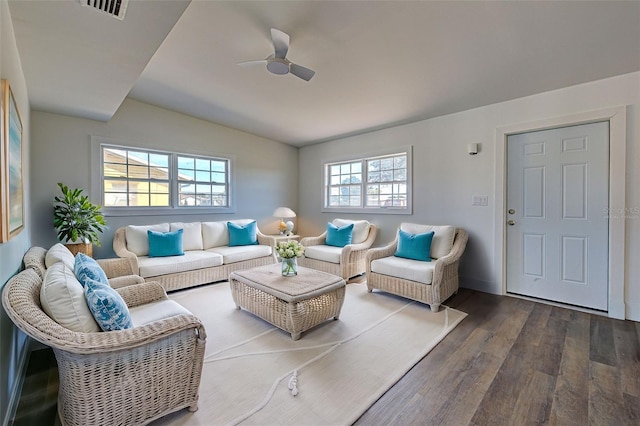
77 220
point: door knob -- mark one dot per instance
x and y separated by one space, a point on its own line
511 222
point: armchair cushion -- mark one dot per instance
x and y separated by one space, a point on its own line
156 311
242 235
86 268
407 269
62 298
325 253
360 229
442 242
163 244
339 236
414 246
107 306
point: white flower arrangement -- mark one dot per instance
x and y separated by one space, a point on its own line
289 249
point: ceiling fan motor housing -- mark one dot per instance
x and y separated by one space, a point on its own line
278 66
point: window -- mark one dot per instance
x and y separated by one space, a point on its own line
379 182
141 180
135 178
202 181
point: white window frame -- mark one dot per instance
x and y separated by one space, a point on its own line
405 210
97 181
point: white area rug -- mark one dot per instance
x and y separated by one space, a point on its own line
342 367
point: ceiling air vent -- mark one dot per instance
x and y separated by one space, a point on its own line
115 8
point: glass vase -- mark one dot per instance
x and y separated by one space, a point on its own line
290 267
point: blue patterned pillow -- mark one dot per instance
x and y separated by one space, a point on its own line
107 306
242 235
86 268
339 237
414 246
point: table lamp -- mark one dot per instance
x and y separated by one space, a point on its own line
286 228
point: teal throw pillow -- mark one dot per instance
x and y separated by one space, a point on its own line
242 235
163 244
86 268
107 306
414 246
339 237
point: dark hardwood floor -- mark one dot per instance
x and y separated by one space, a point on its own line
510 362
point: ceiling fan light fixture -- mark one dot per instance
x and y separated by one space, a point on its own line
278 66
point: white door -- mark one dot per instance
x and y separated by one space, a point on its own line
557 206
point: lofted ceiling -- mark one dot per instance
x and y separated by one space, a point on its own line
377 63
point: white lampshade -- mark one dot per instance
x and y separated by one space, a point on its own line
283 212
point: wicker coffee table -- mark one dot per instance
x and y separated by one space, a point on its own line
293 304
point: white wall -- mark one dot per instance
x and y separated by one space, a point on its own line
445 177
62 148
13 343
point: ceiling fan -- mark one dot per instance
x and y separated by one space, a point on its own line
277 62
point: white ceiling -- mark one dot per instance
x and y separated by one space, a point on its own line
377 63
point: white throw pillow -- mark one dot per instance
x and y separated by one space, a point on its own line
191 234
442 242
360 229
137 239
215 234
59 253
62 298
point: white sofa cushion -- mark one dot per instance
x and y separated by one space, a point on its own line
62 298
360 229
442 242
408 269
191 260
137 239
325 253
156 311
59 253
216 234
241 253
191 234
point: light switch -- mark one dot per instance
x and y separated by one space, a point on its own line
480 200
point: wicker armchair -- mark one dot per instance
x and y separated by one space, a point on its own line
347 261
442 284
121 377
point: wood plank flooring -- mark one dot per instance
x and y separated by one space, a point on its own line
510 362
517 362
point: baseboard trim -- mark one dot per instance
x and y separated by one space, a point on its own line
17 388
633 311
478 285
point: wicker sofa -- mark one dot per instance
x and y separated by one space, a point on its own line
130 376
430 282
207 255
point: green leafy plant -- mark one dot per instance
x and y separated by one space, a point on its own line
76 218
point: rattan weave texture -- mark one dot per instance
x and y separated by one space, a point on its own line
120 377
352 257
445 275
302 312
194 277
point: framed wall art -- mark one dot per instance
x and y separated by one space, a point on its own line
11 167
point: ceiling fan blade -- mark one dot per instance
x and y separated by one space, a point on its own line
248 64
302 72
280 42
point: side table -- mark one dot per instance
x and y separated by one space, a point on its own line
280 237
